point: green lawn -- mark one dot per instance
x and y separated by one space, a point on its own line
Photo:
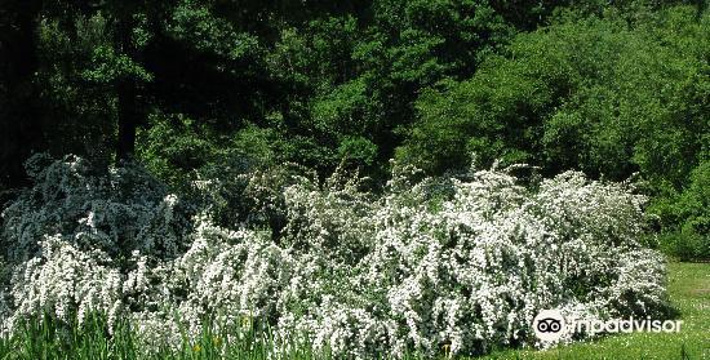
689 287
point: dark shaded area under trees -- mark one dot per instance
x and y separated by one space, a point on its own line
191 88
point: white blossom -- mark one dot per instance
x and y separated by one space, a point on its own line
453 265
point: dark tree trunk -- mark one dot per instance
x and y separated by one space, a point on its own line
129 114
128 119
20 128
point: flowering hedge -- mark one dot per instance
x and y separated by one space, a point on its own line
455 265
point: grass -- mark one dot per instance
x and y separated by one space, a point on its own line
689 288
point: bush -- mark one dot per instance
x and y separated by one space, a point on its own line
685 246
75 238
462 264
117 211
686 217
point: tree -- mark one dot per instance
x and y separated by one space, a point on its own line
18 109
107 66
607 95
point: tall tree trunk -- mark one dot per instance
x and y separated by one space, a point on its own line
128 119
20 126
129 115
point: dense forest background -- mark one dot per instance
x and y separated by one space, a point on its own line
198 89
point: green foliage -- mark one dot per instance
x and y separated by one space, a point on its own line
329 72
686 217
173 146
46 338
197 26
609 96
358 149
75 72
107 67
685 246
358 75
608 88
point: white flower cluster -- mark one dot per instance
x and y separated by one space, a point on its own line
118 212
79 241
434 266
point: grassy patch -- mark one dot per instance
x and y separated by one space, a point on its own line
689 287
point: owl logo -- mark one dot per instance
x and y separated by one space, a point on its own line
549 325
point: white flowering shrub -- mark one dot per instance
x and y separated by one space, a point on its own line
66 282
433 266
118 212
72 241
